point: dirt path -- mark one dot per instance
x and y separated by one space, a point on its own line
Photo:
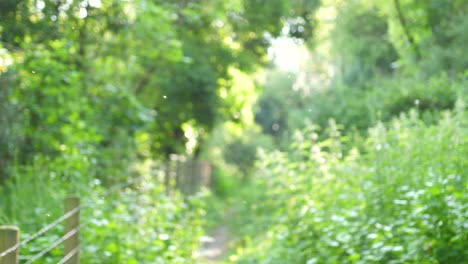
215 247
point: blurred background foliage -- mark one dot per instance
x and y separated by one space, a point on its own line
296 103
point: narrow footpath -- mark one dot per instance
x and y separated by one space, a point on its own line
216 245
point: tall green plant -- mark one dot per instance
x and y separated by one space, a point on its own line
401 200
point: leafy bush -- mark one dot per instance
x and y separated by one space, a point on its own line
133 223
7 136
359 109
361 45
402 200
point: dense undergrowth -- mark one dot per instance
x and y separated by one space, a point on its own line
131 221
363 146
400 198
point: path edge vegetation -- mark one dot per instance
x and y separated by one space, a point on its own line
357 157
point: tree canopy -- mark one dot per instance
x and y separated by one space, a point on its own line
86 69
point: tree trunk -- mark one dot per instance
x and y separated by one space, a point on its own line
406 31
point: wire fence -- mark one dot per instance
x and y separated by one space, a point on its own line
177 174
70 255
10 255
40 232
55 244
73 215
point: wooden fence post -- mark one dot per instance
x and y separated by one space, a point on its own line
205 172
9 237
197 176
182 176
167 176
177 174
72 243
191 177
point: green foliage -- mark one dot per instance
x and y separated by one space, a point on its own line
241 152
91 91
133 223
355 109
225 183
360 44
172 57
7 136
400 201
233 157
276 102
427 34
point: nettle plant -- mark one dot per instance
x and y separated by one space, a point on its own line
400 198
